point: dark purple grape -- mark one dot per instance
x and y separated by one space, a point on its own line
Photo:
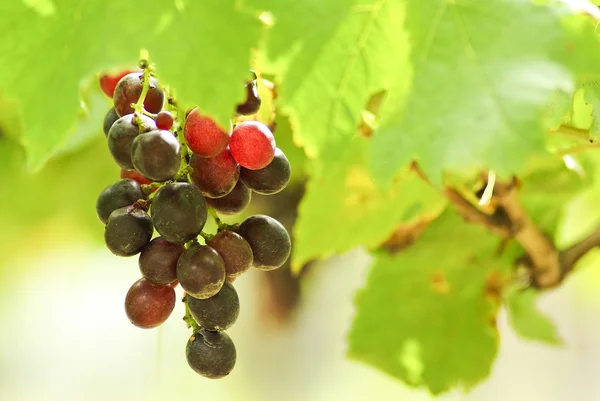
158 261
128 231
129 90
252 103
179 212
156 155
109 119
120 194
234 202
164 120
201 271
211 354
121 136
269 240
149 305
218 312
234 250
271 179
215 176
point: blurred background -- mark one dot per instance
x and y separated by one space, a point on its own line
64 334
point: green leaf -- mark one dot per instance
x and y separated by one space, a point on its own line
427 314
343 208
482 84
592 97
348 51
527 320
52 46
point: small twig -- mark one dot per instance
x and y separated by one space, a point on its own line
572 132
188 318
497 223
577 149
570 256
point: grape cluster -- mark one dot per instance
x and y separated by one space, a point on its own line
176 170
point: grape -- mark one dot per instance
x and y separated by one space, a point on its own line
121 136
128 91
252 103
178 212
120 194
128 230
149 305
158 261
271 179
156 155
218 312
234 202
134 175
109 119
203 136
164 120
109 81
234 250
201 271
215 176
211 353
252 145
269 240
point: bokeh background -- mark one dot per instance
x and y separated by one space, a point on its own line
64 334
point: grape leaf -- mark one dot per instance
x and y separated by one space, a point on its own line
482 83
52 46
348 51
592 96
527 320
343 208
427 314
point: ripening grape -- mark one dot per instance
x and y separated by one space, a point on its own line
234 250
201 271
218 312
211 354
158 261
271 179
156 155
149 305
120 194
234 202
269 240
164 120
134 175
215 176
128 230
252 103
252 145
108 82
121 136
128 91
109 119
204 136
179 212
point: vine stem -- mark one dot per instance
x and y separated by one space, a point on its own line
572 132
138 107
188 318
578 149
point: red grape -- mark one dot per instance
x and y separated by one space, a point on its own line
252 145
129 90
203 136
164 120
108 81
134 175
215 176
149 305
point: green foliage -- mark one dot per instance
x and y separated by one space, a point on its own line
482 82
429 319
56 45
345 202
527 320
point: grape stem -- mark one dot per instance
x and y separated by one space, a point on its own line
138 108
222 226
207 237
188 318
573 132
